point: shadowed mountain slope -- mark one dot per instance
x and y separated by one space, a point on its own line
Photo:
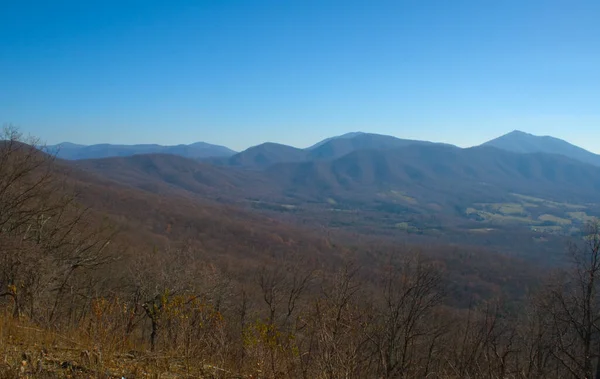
431 173
443 173
268 154
166 174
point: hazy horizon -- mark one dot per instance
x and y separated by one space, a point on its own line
239 150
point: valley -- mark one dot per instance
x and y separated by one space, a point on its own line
381 185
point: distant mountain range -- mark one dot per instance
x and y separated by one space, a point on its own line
268 154
381 184
437 174
197 150
521 142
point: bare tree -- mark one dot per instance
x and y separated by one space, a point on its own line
575 308
536 338
340 323
46 238
412 291
282 285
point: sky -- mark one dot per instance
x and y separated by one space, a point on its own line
239 73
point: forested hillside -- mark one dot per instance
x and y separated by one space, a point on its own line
98 279
522 204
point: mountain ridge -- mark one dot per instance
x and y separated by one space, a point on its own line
446 190
269 153
521 142
439 170
71 151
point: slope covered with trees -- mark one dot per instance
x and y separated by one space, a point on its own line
521 203
98 279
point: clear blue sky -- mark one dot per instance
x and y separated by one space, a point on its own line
239 73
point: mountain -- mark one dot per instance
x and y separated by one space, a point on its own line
521 142
343 136
481 195
171 174
338 147
148 219
72 151
441 174
430 174
268 154
242 240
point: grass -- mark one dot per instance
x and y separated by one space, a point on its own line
517 213
580 216
33 352
530 198
343 210
530 205
273 206
499 217
406 227
549 203
554 219
435 206
404 197
509 208
551 229
504 213
481 230
28 351
398 195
